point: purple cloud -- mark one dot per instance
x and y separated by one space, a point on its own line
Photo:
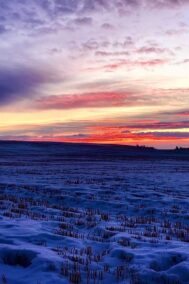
36 13
83 21
17 83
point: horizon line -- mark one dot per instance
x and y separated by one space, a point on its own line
177 147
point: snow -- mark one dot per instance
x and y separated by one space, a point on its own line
81 218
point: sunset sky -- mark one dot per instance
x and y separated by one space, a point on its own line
103 71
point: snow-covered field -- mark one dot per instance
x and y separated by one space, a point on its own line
73 219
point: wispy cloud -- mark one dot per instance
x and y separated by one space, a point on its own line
86 100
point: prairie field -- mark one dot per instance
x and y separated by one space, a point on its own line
74 214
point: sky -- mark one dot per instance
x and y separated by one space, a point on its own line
95 71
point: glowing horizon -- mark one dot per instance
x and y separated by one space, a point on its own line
95 71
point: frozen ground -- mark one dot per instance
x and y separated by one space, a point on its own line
70 217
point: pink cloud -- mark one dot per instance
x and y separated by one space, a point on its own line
86 100
152 49
140 63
